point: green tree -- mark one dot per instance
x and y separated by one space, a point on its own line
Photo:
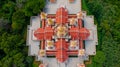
99 58
15 14
18 60
7 10
15 51
6 62
4 24
18 20
33 7
107 14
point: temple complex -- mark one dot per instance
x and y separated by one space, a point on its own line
62 35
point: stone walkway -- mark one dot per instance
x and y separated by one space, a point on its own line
73 8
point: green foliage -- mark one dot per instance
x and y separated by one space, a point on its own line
6 62
84 7
16 26
93 64
99 58
112 52
14 16
107 14
18 17
18 60
7 9
34 7
4 24
13 45
35 65
18 20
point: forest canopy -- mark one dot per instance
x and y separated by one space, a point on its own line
14 18
107 18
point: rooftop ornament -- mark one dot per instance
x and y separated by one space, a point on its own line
61 31
73 43
42 53
42 65
50 21
72 21
81 65
50 44
79 15
43 15
81 52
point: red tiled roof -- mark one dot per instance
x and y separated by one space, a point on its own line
61 15
61 46
74 32
71 0
61 54
52 1
84 33
39 33
48 33
81 33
